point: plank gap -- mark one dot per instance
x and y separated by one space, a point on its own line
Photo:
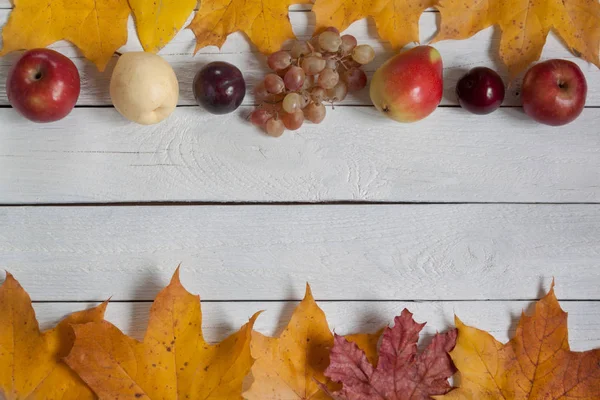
287 203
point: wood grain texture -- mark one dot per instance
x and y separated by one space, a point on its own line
346 252
95 156
459 56
222 319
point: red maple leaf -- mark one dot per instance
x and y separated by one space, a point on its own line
401 373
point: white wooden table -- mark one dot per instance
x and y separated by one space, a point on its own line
456 214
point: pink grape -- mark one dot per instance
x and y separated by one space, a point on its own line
309 82
312 65
260 92
315 113
274 127
328 78
356 79
314 42
318 94
330 41
349 42
259 117
338 93
300 48
262 95
294 78
293 121
363 54
279 60
274 84
292 102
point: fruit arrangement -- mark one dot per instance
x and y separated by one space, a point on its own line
44 85
322 70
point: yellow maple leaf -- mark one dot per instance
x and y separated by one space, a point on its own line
31 365
157 22
292 365
525 24
97 28
536 364
266 22
397 21
173 362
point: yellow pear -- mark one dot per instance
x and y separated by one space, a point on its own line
144 88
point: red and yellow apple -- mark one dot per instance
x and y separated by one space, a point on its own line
554 92
43 85
409 86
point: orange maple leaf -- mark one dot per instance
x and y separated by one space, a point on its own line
98 28
525 24
31 365
266 22
397 21
173 362
536 364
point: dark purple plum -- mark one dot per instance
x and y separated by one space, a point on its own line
219 87
480 91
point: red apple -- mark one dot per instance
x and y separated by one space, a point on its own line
554 92
43 85
409 86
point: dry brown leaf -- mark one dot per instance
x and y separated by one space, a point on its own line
31 365
536 364
157 22
525 24
266 22
98 28
173 362
397 21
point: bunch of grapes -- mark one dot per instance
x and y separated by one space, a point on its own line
322 70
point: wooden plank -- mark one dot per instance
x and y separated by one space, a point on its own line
355 154
347 252
459 56
222 319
